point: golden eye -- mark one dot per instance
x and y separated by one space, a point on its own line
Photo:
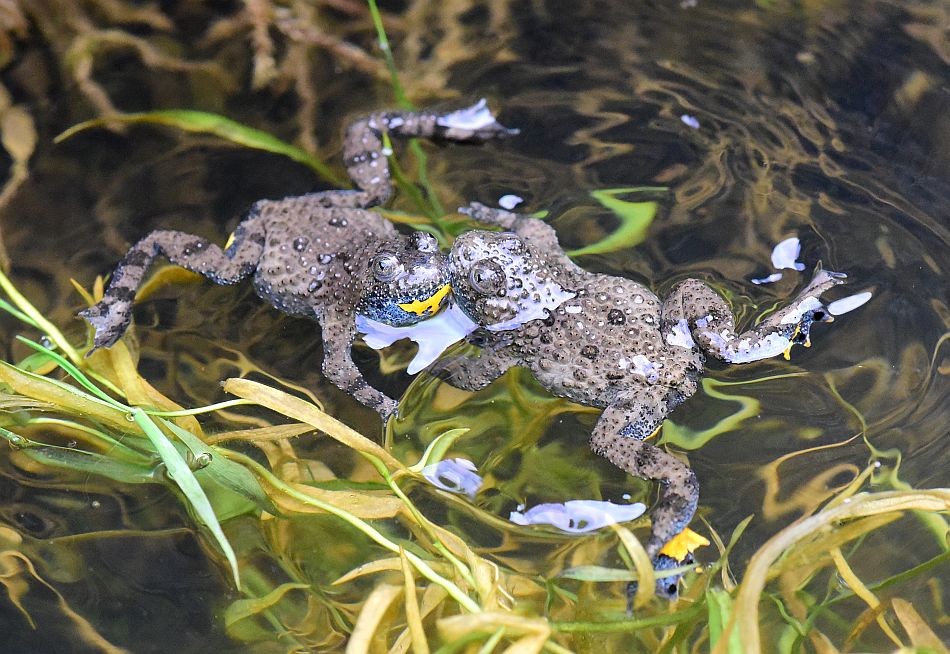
385 266
487 277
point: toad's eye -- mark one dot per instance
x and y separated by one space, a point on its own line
424 242
514 245
487 277
385 266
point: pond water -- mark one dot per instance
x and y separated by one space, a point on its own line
824 121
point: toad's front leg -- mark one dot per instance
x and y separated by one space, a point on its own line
619 437
339 331
534 230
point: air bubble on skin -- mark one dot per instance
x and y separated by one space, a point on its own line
300 244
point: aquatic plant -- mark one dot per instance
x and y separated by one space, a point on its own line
418 584
324 537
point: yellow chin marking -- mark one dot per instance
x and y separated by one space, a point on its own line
427 306
230 241
682 544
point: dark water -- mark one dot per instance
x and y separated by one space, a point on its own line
826 121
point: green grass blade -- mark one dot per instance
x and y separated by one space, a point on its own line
69 458
418 563
635 219
223 470
115 449
69 388
598 573
438 448
74 372
16 313
30 315
182 475
203 122
398 91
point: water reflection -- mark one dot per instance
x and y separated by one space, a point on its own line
826 120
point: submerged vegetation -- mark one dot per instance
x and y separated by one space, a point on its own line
322 537
412 583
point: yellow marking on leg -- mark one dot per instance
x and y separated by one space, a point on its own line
230 241
683 544
429 305
791 341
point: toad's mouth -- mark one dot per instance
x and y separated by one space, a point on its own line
429 305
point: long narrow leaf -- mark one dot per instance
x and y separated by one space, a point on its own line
223 470
635 219
185 479
203 122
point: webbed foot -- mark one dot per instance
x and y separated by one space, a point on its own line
110 320
666 587
474 123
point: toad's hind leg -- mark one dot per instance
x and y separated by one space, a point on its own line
111 316
696 308
363 146
619 437
473 373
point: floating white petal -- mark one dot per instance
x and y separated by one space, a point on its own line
784 254
454 475
434 335
578 516
850 303
509 201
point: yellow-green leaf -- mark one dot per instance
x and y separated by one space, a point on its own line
635 219
203 122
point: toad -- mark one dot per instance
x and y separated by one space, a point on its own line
321 255
607 342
